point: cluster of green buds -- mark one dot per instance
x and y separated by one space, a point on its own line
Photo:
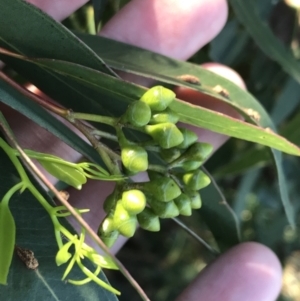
173 186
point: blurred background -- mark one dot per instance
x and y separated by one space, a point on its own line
165 262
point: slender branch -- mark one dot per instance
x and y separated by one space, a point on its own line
50 105
103 134
197 237
92 117
22 57
70 208
224 202
108 156
10 53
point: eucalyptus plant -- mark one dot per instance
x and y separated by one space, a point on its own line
129 128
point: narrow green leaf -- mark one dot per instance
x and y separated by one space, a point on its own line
188 113
246 13
223 124
7 240
33 27
21 103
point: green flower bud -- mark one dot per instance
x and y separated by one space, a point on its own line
134 158
134 201
107 225
167 135
128 228
183 203
63 255
109 203
196 180
165 116
138 114
164 189
190 165
110 238
164 210
170 155
123 221
195 198
148 220
199 151
158 98
189 137
68 174
107 231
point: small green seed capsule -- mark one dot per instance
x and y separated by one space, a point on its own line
195 198
199 151
109 203
123 221
164 210
164 189
134 158
110 238
134 201
107 231
70 175
165 116
167 135
190 165
63 255
183 203
107 225
148 220
169 155
196 180
158 98
138 113
128 228
189 137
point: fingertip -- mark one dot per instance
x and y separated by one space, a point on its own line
211 103
164 26
58 9
226 72
248 272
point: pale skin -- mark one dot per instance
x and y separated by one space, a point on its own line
176 28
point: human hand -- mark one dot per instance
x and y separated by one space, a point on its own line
178 29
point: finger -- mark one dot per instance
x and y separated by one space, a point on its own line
226 72
58 9
248 272
174 28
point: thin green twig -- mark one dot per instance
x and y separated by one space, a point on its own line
196 236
